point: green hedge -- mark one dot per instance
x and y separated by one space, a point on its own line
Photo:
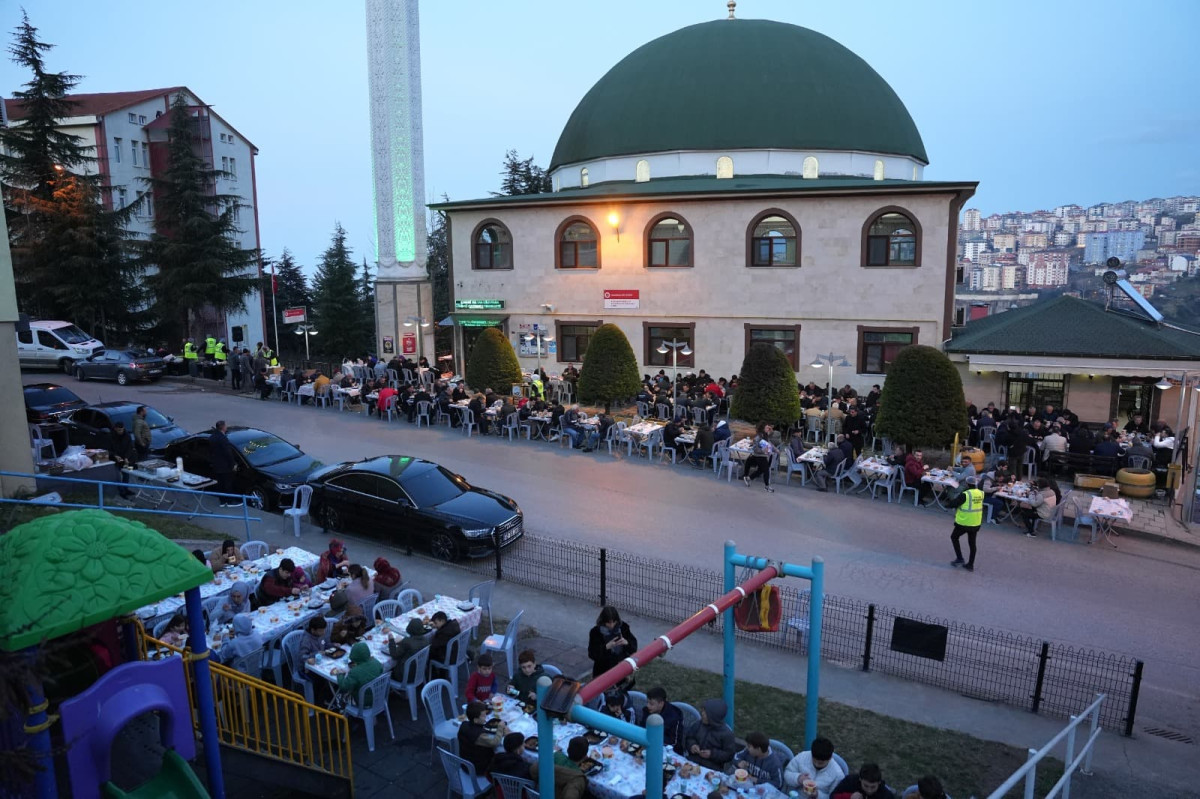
493 364
610 370
766 389
922 403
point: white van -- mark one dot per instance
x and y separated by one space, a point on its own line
54 345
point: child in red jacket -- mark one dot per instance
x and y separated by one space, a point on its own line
482 683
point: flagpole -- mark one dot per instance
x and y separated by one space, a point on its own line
274 310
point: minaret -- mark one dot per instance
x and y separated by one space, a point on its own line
403 292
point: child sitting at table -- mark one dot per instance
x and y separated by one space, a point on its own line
616 704
524 682
761 764
176 632
482 683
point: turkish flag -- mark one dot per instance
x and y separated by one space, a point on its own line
274 282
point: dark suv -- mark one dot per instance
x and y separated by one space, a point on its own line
47 401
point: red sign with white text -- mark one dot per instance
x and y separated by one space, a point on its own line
409 344
622 298
292 316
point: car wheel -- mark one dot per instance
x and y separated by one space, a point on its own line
443 546
79 375
122 379
259 497
67 365
331 519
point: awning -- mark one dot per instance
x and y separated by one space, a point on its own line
1077 366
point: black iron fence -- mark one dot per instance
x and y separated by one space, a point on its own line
980 662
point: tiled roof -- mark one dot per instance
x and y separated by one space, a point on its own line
97 103
1071 327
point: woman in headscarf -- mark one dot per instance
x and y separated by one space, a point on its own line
387 576
300 579
227 555
244 641
333 561
237 602
360 586
363 669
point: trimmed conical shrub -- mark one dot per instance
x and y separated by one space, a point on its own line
610 370
922 403
493 364
766 389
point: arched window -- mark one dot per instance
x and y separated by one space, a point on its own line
493 246
892 238
773 239
583 177
878 169
724 167
668 241
578 244
642 171
811 168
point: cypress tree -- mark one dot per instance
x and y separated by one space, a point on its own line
922 402
493 364
766 390
610 369
337 307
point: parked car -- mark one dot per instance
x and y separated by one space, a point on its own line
268 468
51 344
414 502
92 425
47 401
120 365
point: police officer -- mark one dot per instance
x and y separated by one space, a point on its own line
210 347
219 353
191 356
967 519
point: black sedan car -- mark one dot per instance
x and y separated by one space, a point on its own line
124 366
409 501
268 468
92 425
46 402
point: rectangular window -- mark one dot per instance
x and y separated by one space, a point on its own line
573 339
878 347
141 119
233 168
578 254
121 196
222 137
784 337
145 154
224 163
960 316
1023 389
133 117
654 336
133 150
117 150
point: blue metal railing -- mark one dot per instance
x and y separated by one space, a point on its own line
99 485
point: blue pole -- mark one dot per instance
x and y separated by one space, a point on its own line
654 757
729 659
545 764
38 731
202 685
815 612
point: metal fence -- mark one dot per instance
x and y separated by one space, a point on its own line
980 662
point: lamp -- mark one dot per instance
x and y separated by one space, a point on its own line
676 348
614 221
829 361
1164 384
538 335
306 330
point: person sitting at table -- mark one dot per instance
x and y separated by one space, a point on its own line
363 669
277 583
417 397
762 764
992 482
866 784
671 431
610 641
483 682
416 638
843 443
1041 505
477 744
928 787
524 682
828 467
201 556
1139 447
816 764
315 638
334 561
361 585
965 471
228 554
460 393
477 408
383 399
914 470
1137 425
261 385
705 442
387 576
1107 447
710 743
571 426
569 779
177 631
616 705
245 640
1081 441
722 432
510 761
444 629
1054 441
672 717
506 408
237 602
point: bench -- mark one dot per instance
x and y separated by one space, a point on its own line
1072 462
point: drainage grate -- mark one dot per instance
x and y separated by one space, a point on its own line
1170 735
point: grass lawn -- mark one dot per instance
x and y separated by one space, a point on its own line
173 527
905 751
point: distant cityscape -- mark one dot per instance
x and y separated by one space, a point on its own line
1013 259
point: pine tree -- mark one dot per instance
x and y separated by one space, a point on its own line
366 299
522 176
198 263
438 263
766 390
337 307
291 291
610 369
493 364
922 402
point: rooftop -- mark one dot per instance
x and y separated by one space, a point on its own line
98 103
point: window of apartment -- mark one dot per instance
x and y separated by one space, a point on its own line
654 335
148 204
811 168
960 316
773 239
141 119
724 167
573 339
641 172
224 163
233 168
133 151
668 241
878 347
578 244
1022 389
222 137
892 238
122 196
145 154
133 117
786 338
493 246
117 149
583 177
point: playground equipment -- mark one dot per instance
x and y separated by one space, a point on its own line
652 736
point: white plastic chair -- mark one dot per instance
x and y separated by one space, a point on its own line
253 550
551 671
691 716
512 426
843 471
289 392
904 486
439 706
510 787
160 628
392 408
455 659
481 594
812 428
299 510
637 700
782 749
794 466
387 609
321 398
423 408
461 779
291 655
249 664
359 709
409 598
506 643
1082 518
841 761
726 463
468 422
412 672
368 606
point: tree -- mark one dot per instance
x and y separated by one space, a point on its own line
522 176
922 403
337 307
291 291
766 389
366 300
493 364
193 250
610 369
438 263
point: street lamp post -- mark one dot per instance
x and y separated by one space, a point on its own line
538 336
306 330
676 348
423 322
829 360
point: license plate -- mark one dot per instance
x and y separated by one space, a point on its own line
156 371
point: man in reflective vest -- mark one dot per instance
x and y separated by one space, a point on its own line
537 390
191 357
967 519
219 353
210 347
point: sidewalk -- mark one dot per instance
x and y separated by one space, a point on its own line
559 631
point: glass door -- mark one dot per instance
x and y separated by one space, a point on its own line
1133 395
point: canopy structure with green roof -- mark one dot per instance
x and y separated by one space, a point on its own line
77 568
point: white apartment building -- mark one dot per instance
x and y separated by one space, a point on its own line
974 251
972 219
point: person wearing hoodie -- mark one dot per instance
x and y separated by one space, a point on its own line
400 651
237 602
710 743
722 432
315 639
511 761
363 669
867 784
816 765
763 765
244 641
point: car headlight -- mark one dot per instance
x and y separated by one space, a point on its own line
285 487
480 532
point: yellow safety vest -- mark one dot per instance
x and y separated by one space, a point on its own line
189 351
210 346
219 353
538 391
970 513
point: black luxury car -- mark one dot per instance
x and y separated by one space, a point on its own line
268 468
92 425
45 402
413 502
123 366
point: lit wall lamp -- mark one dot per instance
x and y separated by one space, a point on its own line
1164 384
614 221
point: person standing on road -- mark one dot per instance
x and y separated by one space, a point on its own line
222 461
967 519
141 433
759 461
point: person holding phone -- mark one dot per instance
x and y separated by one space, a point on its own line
610 641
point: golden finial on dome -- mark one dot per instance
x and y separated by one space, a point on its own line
731 5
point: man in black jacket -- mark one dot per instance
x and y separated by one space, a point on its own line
223 462
444 629
656 702
855 428
120 447
833 457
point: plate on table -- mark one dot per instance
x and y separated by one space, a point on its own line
531 743
590 767
314 604
668 773
466 606
491 724
334 652
595 736
328 585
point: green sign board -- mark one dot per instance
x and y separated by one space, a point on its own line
479 305
475 321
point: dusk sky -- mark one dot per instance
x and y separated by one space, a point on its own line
1043 103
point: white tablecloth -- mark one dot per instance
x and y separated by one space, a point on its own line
1018 492
1115 509
940 477
815 455
876 468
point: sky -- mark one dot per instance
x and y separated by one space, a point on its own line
1043 103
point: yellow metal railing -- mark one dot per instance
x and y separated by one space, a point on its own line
266 720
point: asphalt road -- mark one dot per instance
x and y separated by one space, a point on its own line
1140 599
